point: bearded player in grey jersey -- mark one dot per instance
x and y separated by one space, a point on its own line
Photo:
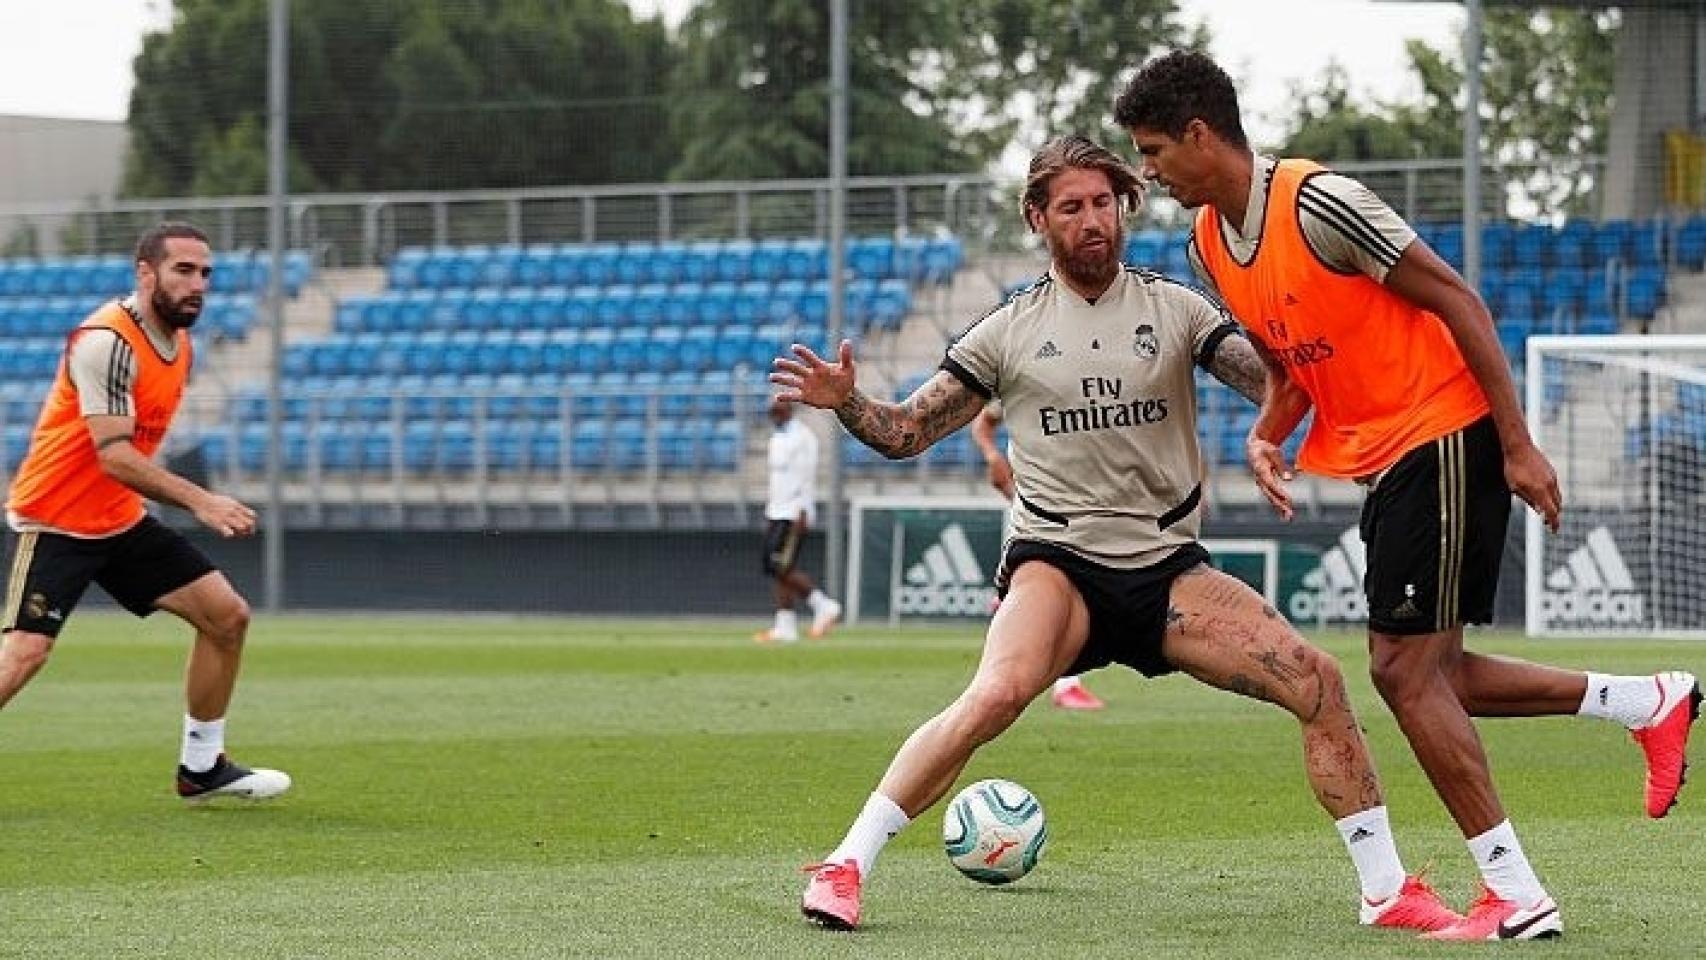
1093 364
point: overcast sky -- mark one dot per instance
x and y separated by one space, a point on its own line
72 58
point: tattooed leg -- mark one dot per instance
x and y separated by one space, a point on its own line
1221 632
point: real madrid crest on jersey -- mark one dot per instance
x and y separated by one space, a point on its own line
1145 344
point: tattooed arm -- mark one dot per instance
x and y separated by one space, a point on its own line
906 429
1237 364
895 430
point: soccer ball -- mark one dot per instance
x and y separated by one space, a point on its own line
994 831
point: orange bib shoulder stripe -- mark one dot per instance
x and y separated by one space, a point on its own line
60 483
1384 375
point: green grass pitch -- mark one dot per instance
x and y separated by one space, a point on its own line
484 787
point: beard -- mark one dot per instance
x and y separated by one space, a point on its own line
177 314
1090 268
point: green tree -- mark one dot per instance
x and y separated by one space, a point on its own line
1546 105
393 94
751 96
1018 72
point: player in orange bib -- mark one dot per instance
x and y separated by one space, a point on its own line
1363 323
76 505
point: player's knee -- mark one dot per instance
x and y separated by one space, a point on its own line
1397 683
993 704
229 624
26 652
1323 691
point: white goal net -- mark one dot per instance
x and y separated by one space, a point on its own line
1623 419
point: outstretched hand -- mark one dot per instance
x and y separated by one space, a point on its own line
812 380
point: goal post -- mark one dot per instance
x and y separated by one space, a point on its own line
935 558
1623 420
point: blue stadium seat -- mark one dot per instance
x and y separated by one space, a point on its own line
566 266
628 443
1498 238
680 389
699 261
598 264
1691 243
590 443
580 310
909 258
807 259
717 306
943 257
628 351
1646 290
1565 290
871 257
681 305
752 302
697 350
1531 247
720 450
634 264
890 305
668 263
500 268
592 351
663 349
647 308
533 267
1571 248
515 309
769 260
734 261
1613 240
1647 242
615 306
545 445
732 347
404 272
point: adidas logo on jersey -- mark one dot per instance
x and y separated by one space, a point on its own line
946 581
1048 350
1333 590
1593 587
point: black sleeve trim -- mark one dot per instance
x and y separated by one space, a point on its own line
1209 346
965 376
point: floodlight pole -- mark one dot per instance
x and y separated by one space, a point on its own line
834 578
278 80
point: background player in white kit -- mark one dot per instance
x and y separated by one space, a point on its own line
789 509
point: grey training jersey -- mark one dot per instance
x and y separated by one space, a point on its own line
1100 406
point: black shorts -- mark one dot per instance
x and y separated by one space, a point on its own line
1435 529
1128 608
781 547
50 571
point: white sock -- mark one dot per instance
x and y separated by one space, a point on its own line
204 741
1505 867
1064 684
876 825
817 599
787 623
1628 700
1368 837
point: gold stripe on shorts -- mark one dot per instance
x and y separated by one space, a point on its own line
1453 484
20 574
